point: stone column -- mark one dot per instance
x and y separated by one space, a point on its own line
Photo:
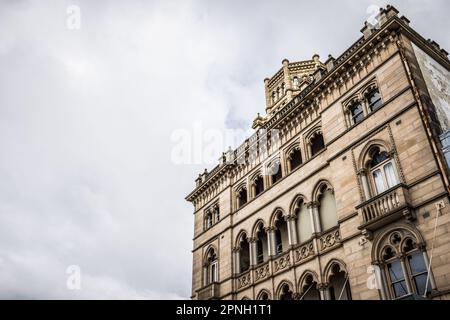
365 183
324 291
237 256
287 79
313 207
205 275
292 230
268 95
253 252
271 241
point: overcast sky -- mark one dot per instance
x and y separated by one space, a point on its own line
87 122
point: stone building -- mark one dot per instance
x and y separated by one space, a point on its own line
342 192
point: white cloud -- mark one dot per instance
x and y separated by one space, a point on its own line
86 118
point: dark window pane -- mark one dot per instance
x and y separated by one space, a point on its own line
396 271
420 282
374 99
400 289
296 159
417 264
378 157
357 113
317 144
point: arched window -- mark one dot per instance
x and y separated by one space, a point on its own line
339 287
286 292
216 214
404 264
296 83
263 295
382 170
356 112
309 290
242 197
258 185
374 100
295 158
210 274
283 89
317 144
281 234
244 254
275 171
274 97
278 94
208 220
327 208
261 244
304 227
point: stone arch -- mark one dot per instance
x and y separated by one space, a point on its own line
256 227
275 215
328 271
208 250
364 156
240 237
294 203
259 296
381 241
281 288
318 189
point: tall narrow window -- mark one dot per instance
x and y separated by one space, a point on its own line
356 113
304 227
261 245
295 159
216 214
210 268
296 83
286 293
281 234
327 209
309 289
208 220
242 197
339 287
244 254
374 100
275 171
317 144
259 185
382 171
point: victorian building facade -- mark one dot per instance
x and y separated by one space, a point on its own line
343 190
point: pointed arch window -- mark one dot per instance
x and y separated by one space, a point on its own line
382 170
261 244
286 292
242 197
356 112
258 184
327 208
309 289
281 234
210 268
317 143
304 226
244 254
404 264
374 100
295 158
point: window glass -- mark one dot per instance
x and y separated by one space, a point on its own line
390 175
357 113
397 279
378 179
374 100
